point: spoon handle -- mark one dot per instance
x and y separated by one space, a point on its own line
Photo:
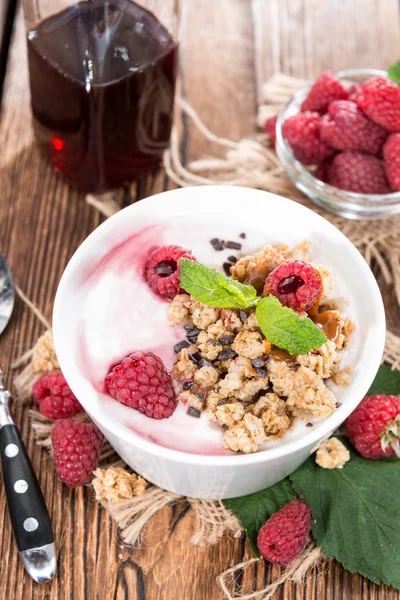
28 513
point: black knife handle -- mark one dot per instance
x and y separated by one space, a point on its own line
29 517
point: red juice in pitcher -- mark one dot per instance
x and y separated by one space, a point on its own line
102 77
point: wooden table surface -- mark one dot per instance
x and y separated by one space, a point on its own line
229 48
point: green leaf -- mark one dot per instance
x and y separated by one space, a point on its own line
253 510
214 289
387 381
284 328
394 72
356 513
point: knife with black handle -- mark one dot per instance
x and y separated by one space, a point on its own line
28 513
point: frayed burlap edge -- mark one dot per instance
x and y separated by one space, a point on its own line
295 571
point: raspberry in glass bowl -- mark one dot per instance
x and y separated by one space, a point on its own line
327 165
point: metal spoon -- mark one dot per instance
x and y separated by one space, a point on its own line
29 517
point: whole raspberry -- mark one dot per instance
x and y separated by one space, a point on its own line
322 172
346 127
295 283
302 133
358 172
324 90
373 427
162 270
353 91
141 381
76 450
270 128
391 155
379 98
54 396
285 535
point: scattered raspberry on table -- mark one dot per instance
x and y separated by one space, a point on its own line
373 427
76 450
285 535
54 396
141 381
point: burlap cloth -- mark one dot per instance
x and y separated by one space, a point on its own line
252 163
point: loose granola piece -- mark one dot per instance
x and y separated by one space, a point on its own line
203 315
229 414
272 411
327 278
281 377
192 399
44 356
206 376
263 262
246 436
251 387
324 361
310 396
343 378
115 484
179 308
332 454
231 320
184 369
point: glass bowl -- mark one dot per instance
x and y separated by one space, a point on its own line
340 202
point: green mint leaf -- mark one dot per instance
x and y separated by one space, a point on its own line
284 328
394 72
356 513
253 510
214 289
387 381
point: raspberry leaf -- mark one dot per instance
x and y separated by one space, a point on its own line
387 382
356 514
214 289
253 510
284 328
394 72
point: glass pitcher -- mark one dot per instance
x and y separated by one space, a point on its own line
102 78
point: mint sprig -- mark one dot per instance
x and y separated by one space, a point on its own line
394 72
214 289
284 328
281 326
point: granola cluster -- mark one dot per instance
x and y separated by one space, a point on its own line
230 371
115 484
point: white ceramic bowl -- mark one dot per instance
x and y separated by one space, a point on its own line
190 217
